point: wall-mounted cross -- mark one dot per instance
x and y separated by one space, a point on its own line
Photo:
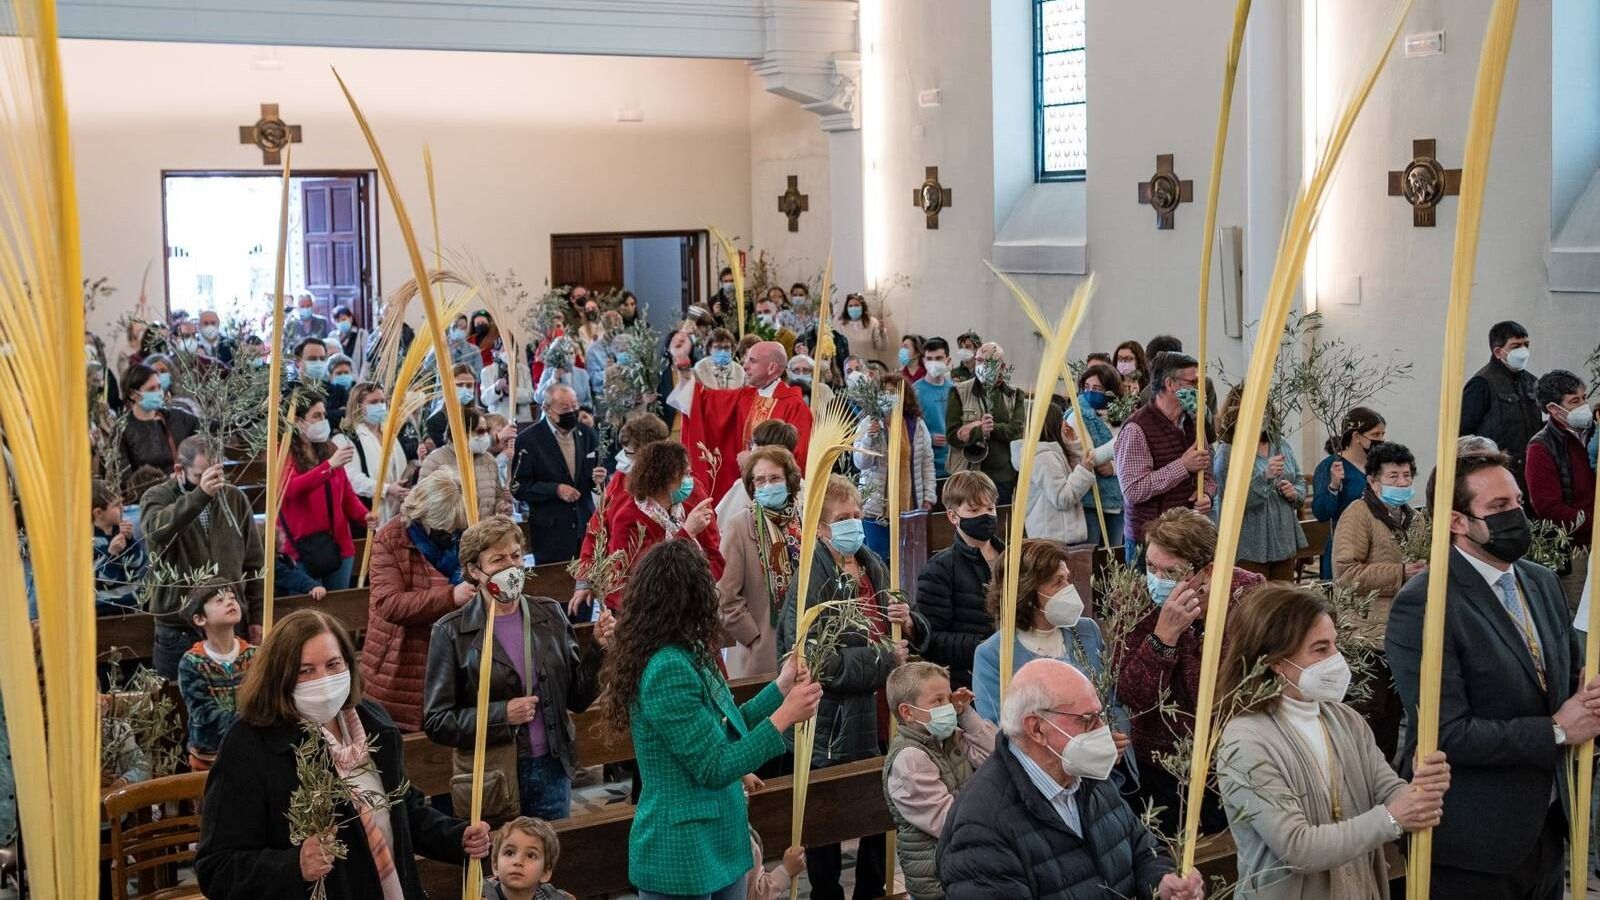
1424 183
931 197
270 134
792 203
1164 191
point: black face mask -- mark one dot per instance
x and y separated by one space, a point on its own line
567 420
979 528
480 330
1509 535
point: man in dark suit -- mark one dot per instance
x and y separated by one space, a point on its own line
557 468
1509 699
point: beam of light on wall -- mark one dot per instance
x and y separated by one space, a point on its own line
1311 132
874 125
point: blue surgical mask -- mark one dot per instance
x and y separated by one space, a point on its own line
848 535
151 401
304 312
316 369
464 395
344 326
772 496
624 358
165 379
1397 496
854 312
1160 588
344 380
685 488
376 413
722 357
1095 399
942 720
904 357
456 335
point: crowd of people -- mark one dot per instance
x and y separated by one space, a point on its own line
681 514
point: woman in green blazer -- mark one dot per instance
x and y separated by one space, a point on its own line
693 744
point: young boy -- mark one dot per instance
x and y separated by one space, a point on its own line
953 584
119 558
209 675
525 854
940 741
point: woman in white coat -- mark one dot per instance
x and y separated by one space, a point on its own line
1061 478
920 487
362 430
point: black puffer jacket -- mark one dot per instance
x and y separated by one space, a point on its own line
950 594
1004 839
852 676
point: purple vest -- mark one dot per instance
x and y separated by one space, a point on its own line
1167 442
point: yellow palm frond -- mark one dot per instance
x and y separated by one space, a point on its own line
824 348
269 529
1292 250
894 484
732 254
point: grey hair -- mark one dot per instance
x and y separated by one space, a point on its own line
339 359
1475 443
193 447
557 387
436 502
1022 700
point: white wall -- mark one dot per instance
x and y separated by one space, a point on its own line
787 140
1575 93
523 145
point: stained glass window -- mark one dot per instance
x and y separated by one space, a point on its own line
1061 149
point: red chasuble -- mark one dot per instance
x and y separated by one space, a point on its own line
722 420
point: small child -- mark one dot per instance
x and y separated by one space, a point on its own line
940 742
763 885
290 581
209 675
525 854
119 557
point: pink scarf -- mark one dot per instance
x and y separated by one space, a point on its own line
349 759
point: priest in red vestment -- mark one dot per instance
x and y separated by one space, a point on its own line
717 423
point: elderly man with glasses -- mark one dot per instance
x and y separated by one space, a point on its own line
1039 819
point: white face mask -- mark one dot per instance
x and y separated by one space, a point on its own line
961 355
937 368
1325 680
1517 360
320 700
1581 418
1089 755
479 443
1064 608
624 462
319 432
506 584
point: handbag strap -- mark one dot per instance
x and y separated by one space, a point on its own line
327 493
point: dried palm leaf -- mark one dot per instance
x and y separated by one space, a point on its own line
472 885
275 438
1474 174
1291 258
1230 73
41 299
891 505
1050 369
824 350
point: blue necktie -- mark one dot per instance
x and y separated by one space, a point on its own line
1512 601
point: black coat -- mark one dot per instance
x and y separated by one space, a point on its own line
950 594
1004 839
538 469
568 681
244 848
1494 719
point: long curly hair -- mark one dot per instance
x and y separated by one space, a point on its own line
670 600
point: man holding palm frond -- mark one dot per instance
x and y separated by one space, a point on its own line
717 424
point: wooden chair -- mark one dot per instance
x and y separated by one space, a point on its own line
153 848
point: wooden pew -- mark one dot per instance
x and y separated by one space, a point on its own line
1310 556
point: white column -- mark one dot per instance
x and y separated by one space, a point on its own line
1271 82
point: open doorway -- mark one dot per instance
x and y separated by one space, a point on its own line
665 269
221 233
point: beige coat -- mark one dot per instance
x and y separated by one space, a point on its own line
745 610
1281 818
1367 554
493 498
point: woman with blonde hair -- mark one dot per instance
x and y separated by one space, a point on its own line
362 431
1310 799
493 497
416 579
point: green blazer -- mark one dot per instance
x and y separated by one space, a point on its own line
693 744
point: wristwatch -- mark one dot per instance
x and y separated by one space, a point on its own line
1561 733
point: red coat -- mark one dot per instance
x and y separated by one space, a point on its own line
304 510
720 423
630 525
407 596
616 494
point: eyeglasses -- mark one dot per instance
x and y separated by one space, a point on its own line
1088 721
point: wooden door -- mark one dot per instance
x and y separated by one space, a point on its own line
594 261
336 262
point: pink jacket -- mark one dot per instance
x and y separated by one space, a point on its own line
304 510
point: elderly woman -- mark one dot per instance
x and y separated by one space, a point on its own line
416 579
151 431
1310 799
663 503
363 433
761 553
1367 545
537 676
493 497
302 677
1159 679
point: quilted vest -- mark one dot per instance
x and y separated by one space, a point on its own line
1515 415
1167 442
914 847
